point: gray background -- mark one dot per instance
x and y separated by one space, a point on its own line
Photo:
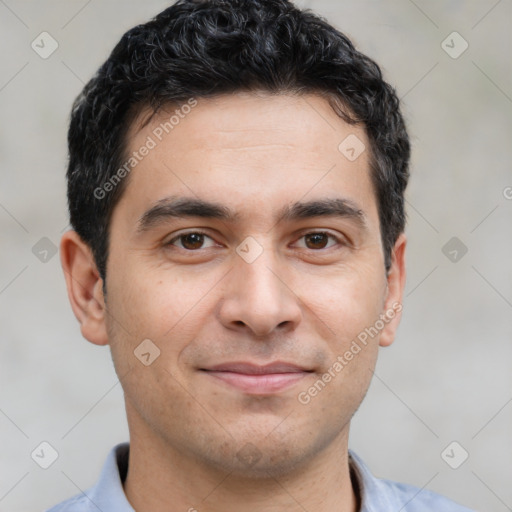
446 378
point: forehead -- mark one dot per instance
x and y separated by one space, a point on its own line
248 149
256 117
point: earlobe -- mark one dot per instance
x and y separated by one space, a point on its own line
395 284
85 287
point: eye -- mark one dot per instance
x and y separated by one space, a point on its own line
195 240
190 241
319 240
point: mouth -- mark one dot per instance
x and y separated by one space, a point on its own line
258 379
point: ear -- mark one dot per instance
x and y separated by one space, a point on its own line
395 290
85 287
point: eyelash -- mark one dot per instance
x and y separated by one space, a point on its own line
199 232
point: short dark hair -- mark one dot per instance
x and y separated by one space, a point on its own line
206 48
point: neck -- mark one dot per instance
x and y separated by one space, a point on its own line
159 476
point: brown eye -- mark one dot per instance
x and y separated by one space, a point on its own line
316 240
191 241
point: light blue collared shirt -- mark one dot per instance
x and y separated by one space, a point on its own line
377 495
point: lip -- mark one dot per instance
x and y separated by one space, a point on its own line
258 379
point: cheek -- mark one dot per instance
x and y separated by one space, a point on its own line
153 301
347 301
336 394
160 306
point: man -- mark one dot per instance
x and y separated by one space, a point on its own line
235 185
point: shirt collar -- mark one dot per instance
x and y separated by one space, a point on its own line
108 493
370 488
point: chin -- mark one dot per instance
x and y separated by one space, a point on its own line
268 456
257 462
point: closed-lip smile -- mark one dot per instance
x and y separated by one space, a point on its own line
258 379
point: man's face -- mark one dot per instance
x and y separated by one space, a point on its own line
221 306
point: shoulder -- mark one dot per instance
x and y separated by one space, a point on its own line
107 494
79 503
414 499
379 494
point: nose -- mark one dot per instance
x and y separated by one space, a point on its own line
259 297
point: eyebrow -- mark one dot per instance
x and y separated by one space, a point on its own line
183 207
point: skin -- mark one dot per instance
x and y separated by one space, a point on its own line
298 302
